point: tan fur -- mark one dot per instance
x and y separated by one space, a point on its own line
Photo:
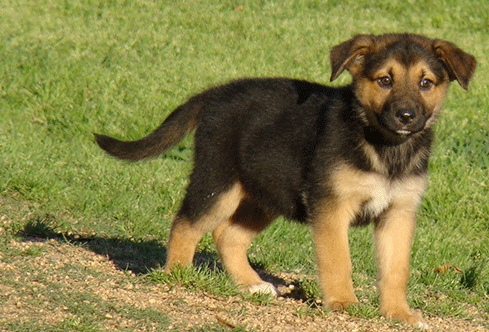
185 234
233 239
377 165
394 234
330 230
395 202
373 96
370 93
330 234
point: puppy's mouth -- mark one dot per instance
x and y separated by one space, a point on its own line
391 129
398 128
403 132
397 132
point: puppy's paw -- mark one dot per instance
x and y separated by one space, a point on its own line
264 288
337 305
410 317
340 300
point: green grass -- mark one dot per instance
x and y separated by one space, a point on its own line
70 68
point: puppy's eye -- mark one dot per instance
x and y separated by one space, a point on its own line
385 82
426 84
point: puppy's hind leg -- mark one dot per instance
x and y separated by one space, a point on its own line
184 236
233 239
187 231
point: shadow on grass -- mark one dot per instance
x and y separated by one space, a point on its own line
139 257
136 256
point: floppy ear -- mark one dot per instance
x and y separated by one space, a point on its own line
460 65
349 55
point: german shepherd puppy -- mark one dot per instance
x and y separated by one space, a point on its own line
330 156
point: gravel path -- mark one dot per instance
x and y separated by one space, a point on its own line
187 311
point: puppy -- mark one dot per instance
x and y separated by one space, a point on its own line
330 157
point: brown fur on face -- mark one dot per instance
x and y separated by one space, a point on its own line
401 89
414 89
331 157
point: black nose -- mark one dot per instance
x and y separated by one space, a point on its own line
406 116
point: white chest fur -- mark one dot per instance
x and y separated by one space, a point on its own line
372 193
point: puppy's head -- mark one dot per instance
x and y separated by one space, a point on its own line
401 80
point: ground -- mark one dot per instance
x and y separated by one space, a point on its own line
35 280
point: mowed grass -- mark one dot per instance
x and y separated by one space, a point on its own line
70 68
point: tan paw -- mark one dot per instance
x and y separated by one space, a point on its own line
264 288
336 305
410 317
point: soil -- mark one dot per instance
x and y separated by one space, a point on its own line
187 310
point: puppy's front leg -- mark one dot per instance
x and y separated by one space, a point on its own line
393 237
330 232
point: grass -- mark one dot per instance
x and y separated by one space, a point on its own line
69 68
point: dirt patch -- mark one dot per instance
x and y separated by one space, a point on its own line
46 281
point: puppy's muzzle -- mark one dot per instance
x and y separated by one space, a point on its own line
406 116
402 118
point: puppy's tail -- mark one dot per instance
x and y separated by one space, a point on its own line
180 122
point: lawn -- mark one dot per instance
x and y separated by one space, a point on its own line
70 68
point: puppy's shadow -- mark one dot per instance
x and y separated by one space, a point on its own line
138 257
135 256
